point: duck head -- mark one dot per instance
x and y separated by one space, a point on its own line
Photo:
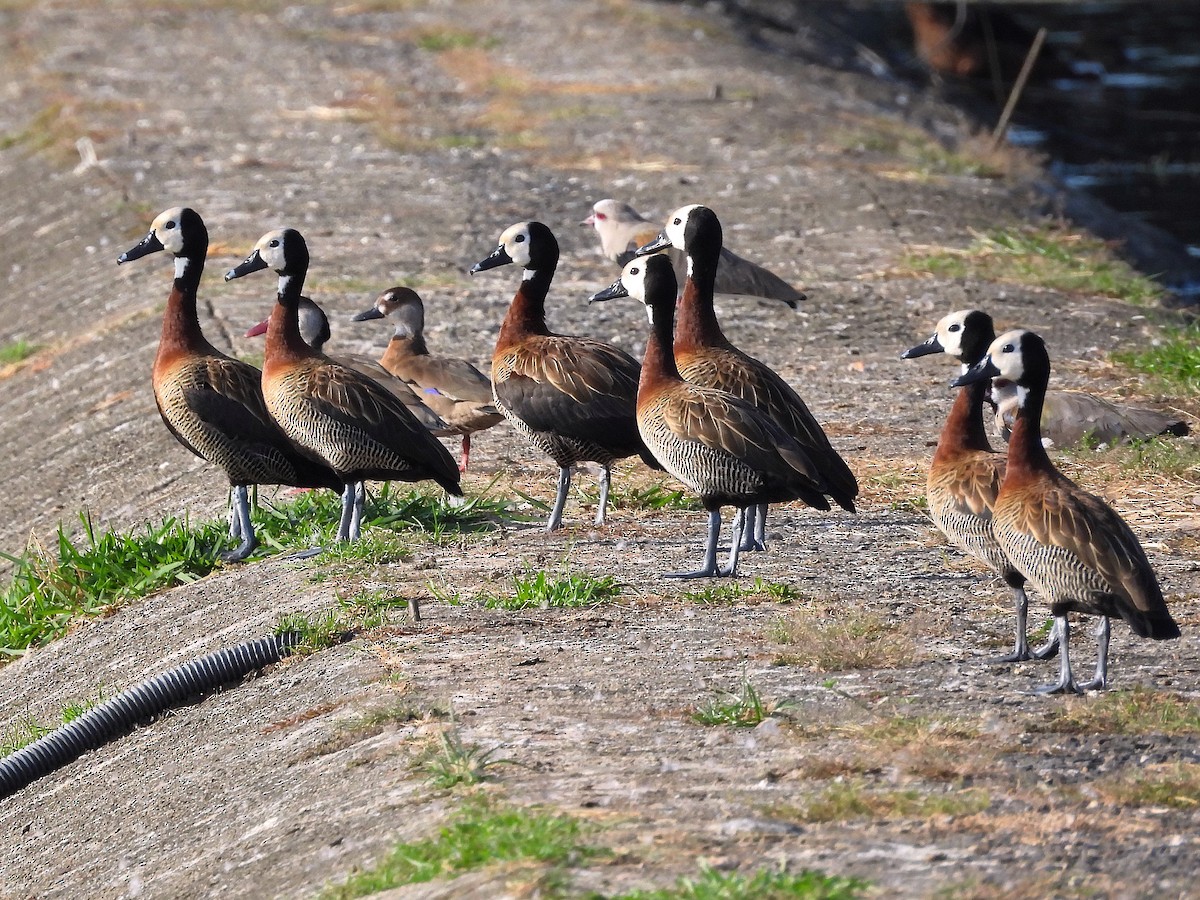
964 334
1017 362
178 230
530 245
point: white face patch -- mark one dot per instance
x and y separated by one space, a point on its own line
515 242
677 225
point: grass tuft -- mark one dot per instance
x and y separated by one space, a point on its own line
17 351
1042 256
26 729
743 708
762 885
1173 360
842 639
453 763
846 799
736 590
1175 785
1140 710
479 835
538 589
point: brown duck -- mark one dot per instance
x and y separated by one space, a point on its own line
1071 545
314 328
707 358
212 403
453 388
965 474
725 449
573 397
342 417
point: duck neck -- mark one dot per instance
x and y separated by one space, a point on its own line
284 341
964 429
658 363
1026 454
698 326
527 313
181 324
410 344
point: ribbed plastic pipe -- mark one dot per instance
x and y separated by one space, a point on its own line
150 698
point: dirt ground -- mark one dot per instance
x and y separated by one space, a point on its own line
402 139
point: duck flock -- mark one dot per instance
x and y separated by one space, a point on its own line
718 420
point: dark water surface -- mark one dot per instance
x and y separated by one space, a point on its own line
1113 102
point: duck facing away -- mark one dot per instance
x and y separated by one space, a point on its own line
622 230
453 388
1071 545
965 474
573 397
314 328
212 403
707 358
722 447
340 416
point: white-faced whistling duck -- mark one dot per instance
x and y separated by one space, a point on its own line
965 474
573 397
212 403
725 449
707 358
348 420
314 328
1079 554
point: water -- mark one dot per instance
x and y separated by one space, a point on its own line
1113 102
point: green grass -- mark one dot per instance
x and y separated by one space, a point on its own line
1175 785
1136 711
321 630
94 573
736 590
853 798
26 729
762 885
1173 361
1165 456
17 351
533 589
453 763
479 835
1041 257
743 708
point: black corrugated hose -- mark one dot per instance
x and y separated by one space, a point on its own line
152 697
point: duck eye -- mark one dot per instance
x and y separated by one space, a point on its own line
678 221
274 243
601 216
1008 348
955 327
520 239
634 271
169 225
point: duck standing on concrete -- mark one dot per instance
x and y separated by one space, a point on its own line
212 403
314 328
342 417
453 388
573 397
965 474
622 230
705 357
722 447
1071 545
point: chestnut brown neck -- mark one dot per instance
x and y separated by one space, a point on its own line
964 430
698 326
658 362
1027 457
527 312
180 325
284 342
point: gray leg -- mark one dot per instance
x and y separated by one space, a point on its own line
560 500
1021 647
709 568
349 494
235 523
240 513
755 529
1065 684
360 501
605 481
742 523
1100 681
